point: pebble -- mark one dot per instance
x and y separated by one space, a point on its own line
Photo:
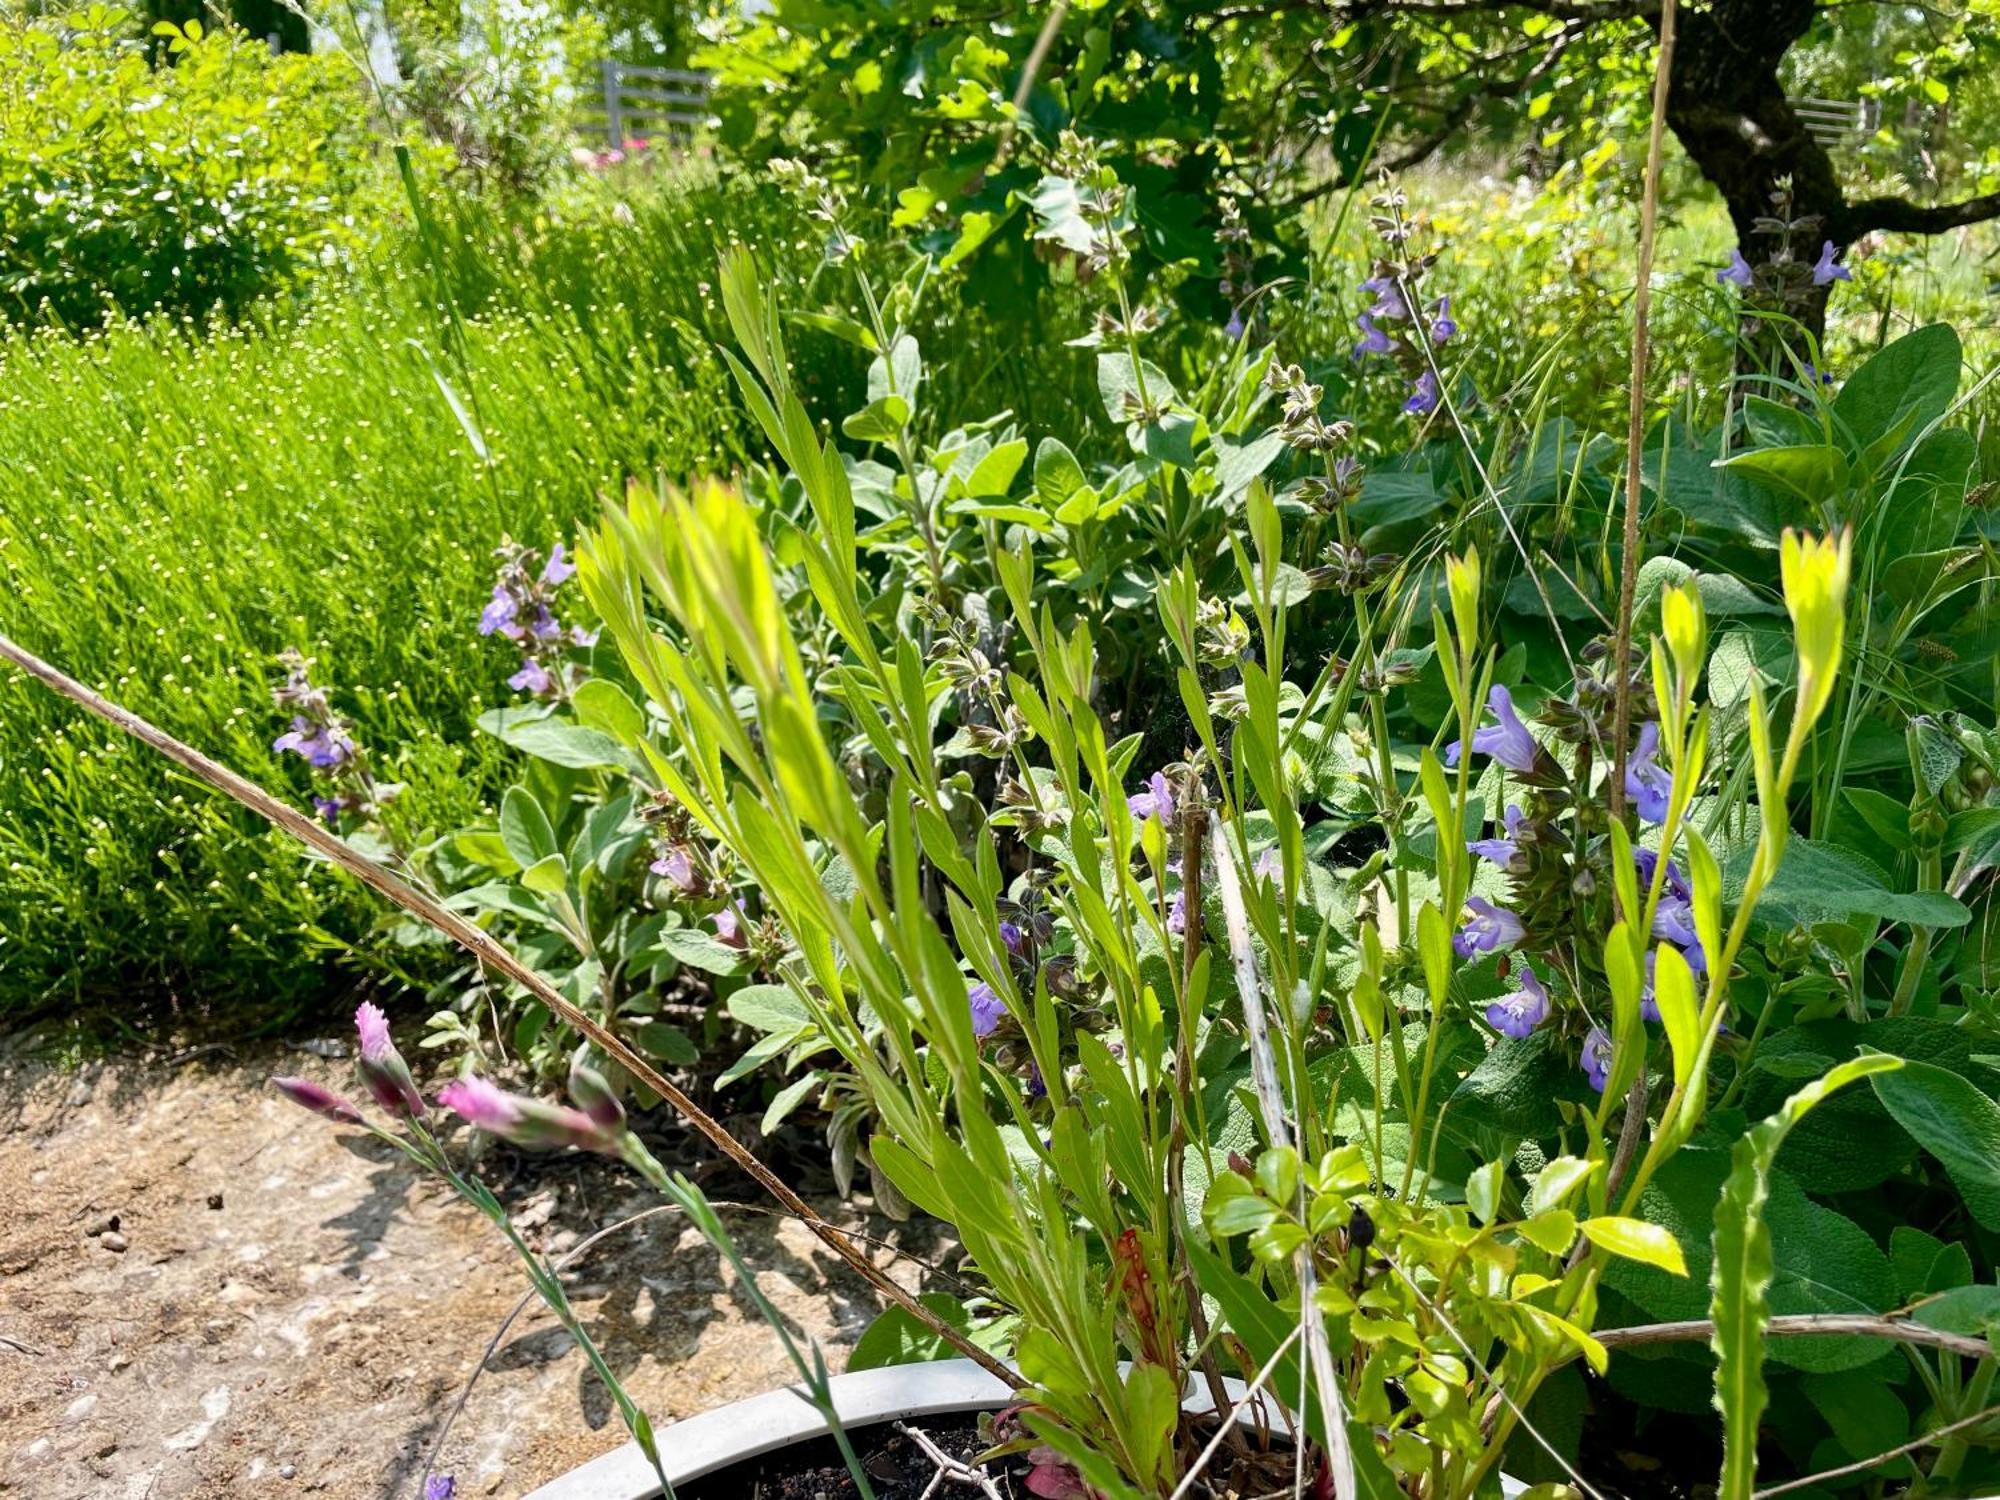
80 1408
288 1471
113 1241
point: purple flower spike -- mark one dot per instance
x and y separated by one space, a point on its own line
1507 741
1443 329
1518 1014
1826 269
382 1067
321 1101
1375 341
1648 783
1489 929
1596 1058
1737 271
1501 851
1423 396
558 569
988 1010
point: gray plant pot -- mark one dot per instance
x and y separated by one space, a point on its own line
747 1429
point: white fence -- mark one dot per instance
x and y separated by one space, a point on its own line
1839 122
641 103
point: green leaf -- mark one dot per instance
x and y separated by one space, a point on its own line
1822 882
1635 1239
1815 472
603 705
789 1098
879 421
668 1043
703 950
1057 474
1909 384
897 1338
1957 1124
1118 384
768 1007
547 875
1742 1272
556 741
525 828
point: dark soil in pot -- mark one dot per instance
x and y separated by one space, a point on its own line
897 1467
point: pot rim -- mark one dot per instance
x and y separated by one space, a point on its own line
777 1419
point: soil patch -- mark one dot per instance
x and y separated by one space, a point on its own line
206 1292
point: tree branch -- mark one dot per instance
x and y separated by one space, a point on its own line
1863 1325
1901 216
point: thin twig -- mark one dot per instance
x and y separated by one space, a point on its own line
1037 55
1806 1325
1861 1465
488 951
947 1466
1635 429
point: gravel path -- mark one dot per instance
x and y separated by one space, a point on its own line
206 1292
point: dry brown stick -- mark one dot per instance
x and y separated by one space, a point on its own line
1635 430
1862 1466
483 947
1805 1325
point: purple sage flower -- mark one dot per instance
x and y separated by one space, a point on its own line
1269 865
1507 741
1815 375
1826 269
498 616
329 810
1177 913
1014 937
324 747
1646 861
1157 801
382 1067
532 678
1233 329
1501 851
988 1009
440 1487
729 925
320 1100
1489 929
1673 919
1374 340
1443 329
1737 271
1595 1059
676 869
1648 783
1391 301
558 569
1038 1087
1423 396
1649 1005
1518 1014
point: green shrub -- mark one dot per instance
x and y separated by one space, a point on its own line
219 177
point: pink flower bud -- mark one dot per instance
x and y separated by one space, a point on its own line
593 1096
524 1121
382 1067
320 1100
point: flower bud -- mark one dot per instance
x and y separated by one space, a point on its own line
524 1121
319 1099
1815 573
1685 625
382 1067
594 1097
1463 578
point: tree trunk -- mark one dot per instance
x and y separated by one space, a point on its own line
1728 110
